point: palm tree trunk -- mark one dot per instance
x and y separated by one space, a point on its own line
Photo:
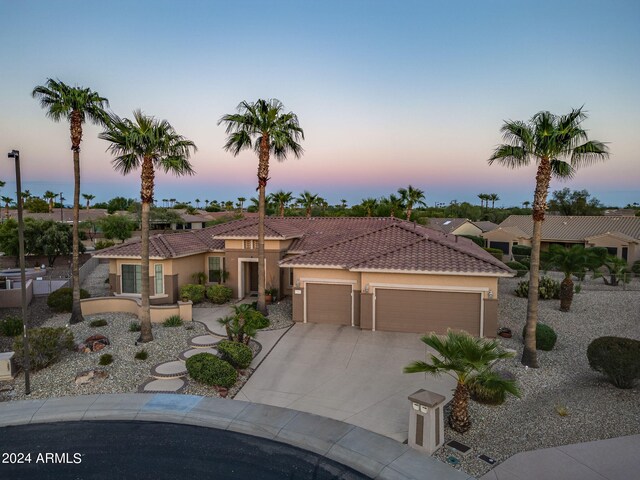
543 177
282 210
566 294
409 210
76 137
146 195
263 177
459 416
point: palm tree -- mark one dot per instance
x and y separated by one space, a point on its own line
172 201
464 358
26 195
147 143
570 261
343 203
282 199
559 145
526 204
88 197
369 204
410 197
7 201
228 205
241 201
494 198
264 127
197 203
307 200
75 104
394 203
49 196
482 197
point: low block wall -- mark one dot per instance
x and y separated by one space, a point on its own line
159 313
13 298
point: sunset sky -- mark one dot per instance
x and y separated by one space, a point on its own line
388 93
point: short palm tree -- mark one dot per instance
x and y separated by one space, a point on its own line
49 196
281 199
464 358
394 203
343 203
77 105
559 145
88 197
266 128
7 201
148 144
411 196
570 261
369 204
308 200
241 201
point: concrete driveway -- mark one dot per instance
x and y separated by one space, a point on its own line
345 373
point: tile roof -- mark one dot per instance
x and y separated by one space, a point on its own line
447 225
563 228
485 226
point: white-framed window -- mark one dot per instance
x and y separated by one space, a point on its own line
159 279
131 279
216 269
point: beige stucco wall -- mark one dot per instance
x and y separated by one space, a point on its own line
326 274
490 283
185 267
268 245
92 306
467 229
633 253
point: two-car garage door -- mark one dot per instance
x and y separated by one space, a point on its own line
421 311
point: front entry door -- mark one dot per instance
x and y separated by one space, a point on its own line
253 276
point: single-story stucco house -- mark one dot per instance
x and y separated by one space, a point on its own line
620 235
461 226
373 273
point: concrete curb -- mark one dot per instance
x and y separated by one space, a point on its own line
367 452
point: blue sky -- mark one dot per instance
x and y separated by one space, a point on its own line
389 93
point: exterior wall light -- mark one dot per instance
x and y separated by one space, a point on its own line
490 293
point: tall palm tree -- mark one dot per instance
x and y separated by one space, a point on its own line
570 261
394 203
343 203
264 127
197 203
7 201
410 197
464 358
282 199
241 201
559 145
77 105
494 198
307 200
88 197
482 197
147 143
369 204
526 204
49 196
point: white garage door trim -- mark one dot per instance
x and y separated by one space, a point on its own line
434 288
304 282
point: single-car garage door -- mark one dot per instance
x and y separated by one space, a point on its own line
328 303
420 311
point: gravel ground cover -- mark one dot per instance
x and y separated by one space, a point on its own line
280 314
595 408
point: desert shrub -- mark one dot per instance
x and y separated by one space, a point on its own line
101 322
496 252
219 294
548 289
635 268
518 267
141 355
486 387
192 292
11 326
173 321
135 327
521 250
545 337
237 354
258 320
101 244
578 288
62 299
46 346
618 358
106 359
477 240
211 370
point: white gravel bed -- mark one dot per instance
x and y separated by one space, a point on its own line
596 409
125 373
280 314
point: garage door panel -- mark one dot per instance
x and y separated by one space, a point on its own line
419 311
329 303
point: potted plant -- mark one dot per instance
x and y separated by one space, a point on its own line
268 297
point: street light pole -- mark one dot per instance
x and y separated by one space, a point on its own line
61 219
15 154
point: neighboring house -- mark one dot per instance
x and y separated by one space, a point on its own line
460 226
197 220
486 226
620 235
375 273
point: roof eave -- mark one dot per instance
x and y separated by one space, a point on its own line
433 272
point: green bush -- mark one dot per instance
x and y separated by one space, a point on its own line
618 358
11 326
257 320
46 346
219 294
518 267
101 322
521 250
101 244
635 268
545 337
477 240
62 299
486 387
135 327
548 289
496 252
211 370
237 354
173 321
141 355
192 292
526 261
106 359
